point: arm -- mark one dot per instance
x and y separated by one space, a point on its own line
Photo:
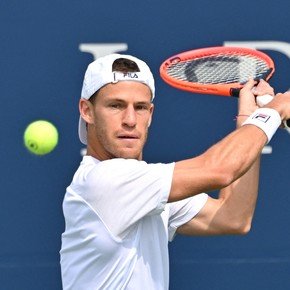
233 211
219 166
224 162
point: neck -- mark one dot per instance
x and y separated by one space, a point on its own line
91 151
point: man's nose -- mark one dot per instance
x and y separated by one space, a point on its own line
129 118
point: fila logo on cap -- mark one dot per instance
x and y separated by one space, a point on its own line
131 75
123 76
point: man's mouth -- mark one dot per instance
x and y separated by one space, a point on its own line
128 137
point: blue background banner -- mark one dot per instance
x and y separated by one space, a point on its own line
45 47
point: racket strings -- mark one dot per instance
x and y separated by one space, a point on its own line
219 69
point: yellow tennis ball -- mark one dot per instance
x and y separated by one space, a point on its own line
40 137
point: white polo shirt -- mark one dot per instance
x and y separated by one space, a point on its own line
118 224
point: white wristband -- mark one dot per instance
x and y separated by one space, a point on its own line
266 119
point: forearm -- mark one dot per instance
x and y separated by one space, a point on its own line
234 155
220 165
232 212
239 199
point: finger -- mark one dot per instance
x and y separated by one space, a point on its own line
250 84
247 90
263 91
263 88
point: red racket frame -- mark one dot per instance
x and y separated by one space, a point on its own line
225 89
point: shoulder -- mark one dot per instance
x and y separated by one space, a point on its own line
120 172
121 167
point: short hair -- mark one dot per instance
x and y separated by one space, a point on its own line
125 65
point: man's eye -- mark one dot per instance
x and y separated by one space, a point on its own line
115 106
141 107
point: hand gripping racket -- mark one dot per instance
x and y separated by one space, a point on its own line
218 70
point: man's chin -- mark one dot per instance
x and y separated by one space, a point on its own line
129 154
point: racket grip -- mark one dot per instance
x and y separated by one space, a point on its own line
264 100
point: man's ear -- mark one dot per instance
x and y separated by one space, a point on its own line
151 114
86 110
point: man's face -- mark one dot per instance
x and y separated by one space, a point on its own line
120 117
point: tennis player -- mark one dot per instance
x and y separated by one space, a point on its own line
120 212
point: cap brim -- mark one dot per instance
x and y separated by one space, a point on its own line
82 131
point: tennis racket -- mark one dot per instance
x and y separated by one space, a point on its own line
218 70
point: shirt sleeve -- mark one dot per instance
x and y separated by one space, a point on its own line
122 191
183 211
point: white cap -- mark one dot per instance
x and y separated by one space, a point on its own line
99 73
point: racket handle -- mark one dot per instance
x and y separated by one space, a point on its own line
264 100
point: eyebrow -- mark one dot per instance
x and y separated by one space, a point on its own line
123 101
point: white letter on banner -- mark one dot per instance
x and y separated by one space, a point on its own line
102 49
